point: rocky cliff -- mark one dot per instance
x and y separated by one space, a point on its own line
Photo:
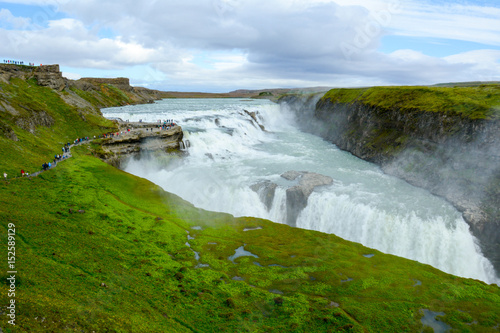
454 151
132 144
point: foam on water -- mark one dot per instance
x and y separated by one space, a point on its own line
229 153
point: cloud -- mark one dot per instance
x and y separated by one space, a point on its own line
219 44
7 20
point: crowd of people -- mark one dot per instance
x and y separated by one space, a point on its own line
165 125
57 157
17 62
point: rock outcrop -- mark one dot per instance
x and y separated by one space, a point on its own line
253 115
46 75
50 76
296 195
132 144
266 191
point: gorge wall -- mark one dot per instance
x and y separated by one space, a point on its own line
453 154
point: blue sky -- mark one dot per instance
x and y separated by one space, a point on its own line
222 45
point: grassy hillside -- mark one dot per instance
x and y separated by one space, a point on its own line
478 102
100 250
42 123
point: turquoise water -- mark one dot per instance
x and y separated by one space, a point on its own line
229 152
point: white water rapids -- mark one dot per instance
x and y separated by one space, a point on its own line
229 153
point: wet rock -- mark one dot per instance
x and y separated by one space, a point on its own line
297 196
266 191
253 115
292 175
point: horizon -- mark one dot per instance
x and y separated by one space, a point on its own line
248 90
224 45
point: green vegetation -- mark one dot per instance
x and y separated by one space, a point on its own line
476 102
109 96
100 250
42 123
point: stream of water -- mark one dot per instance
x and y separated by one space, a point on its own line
229 152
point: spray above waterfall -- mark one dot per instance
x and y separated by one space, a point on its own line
230 154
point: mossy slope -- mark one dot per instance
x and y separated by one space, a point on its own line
131 236
479 102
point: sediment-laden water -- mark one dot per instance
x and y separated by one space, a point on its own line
229 152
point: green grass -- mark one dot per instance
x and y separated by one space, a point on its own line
107 96
131 237
477 102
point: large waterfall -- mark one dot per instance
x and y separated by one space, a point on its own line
235 144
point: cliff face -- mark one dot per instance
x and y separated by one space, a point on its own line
452 155
47 76
133 144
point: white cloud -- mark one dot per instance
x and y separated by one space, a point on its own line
8 20
258 43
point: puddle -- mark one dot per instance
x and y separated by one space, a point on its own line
312 278
276 265
197 228
252 229
212 243
241 252
276 291
196 254
417 283
294 256
429 319
202 266
258 264
189 237
238 278
344 281
334 305
368 255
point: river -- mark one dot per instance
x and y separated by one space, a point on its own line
229 152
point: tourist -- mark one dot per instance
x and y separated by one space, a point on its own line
22 172
5 175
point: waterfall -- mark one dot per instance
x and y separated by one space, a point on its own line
229 155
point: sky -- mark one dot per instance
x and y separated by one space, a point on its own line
224 45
